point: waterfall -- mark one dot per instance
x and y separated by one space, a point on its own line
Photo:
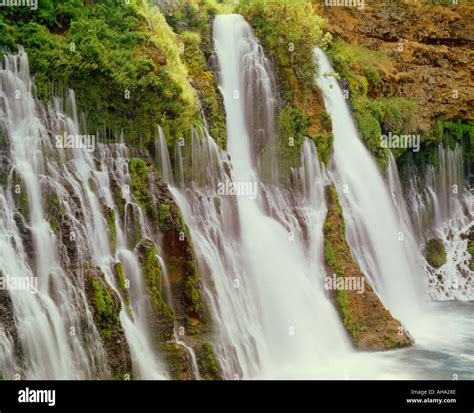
69 212
52 328
381 235
383 247
162 157
264 283
437 194
441 207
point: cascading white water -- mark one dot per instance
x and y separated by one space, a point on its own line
442 207
162 157
378 238
42 322
261 259
263 277
50 323
374 225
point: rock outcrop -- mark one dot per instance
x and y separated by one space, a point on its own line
430 47
105 306
369 324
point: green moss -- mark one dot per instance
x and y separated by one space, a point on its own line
470 248
207 363
110 218
164 218
20 196
363 70
175 360
140 184
105 314
152 273
193 24
53 209
121 281
120 277
119 200
192 289
121 58
191 272
435 253
126 375
452 132
329 254
338 256
341 297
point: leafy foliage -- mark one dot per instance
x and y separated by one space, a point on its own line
289 31
363 70
122 59
193 22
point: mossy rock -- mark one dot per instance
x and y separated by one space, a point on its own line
20 196
435 253
176 360
119 273
207 363
162 315
105 306
109 214
140 183
470 249
368 323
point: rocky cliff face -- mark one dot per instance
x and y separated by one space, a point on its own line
430 47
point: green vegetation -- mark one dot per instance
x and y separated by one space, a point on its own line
175 359
338 256
207 362
140 183
120 277
106 312
447 133
193 24
289 31
152 274
20 196
122 376
121 58
363 70
53 209
342 300
164 218
435 253
110 217
452 132
191 272
119 200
